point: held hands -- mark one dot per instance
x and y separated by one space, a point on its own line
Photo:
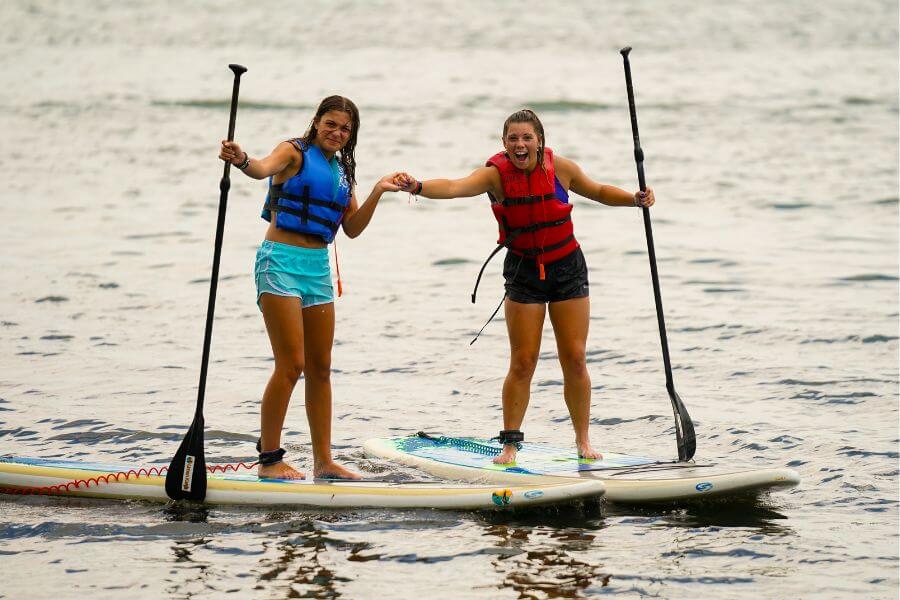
406 183
231 152
388 183
644 199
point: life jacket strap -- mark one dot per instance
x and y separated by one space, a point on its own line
518 201
496 310
483 266
511 235
278 193
273 204
534 226
337 266
533 252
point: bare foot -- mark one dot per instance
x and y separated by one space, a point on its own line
280 470
332 470
507 456
585 450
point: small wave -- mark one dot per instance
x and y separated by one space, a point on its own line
787 441
790 205
703 328
723 262
86 532
872 339
860 101
868 277
850 451
80 423
18 432
737 552
450 262
244 104
617 421
852 398
51 299
161 234
540 106
832 381
752 446
879 338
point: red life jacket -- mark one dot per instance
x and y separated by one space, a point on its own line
533 222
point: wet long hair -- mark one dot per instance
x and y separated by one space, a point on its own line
526 115
345 156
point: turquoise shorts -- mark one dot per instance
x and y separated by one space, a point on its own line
285 270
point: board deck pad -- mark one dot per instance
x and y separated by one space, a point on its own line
91 479
536 459
628 478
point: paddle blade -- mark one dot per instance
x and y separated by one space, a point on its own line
684 429
186 478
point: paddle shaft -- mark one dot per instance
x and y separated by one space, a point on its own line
186 476
683 424
648 228
224 186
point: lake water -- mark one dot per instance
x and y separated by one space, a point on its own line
771 140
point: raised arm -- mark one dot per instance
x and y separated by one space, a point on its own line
283 156
610 195
481 180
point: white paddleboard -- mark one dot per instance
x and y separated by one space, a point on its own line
122 481
628 479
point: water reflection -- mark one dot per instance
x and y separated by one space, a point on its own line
743 513
298 563
547 551
189 512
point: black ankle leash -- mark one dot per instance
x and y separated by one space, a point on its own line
513 437
271 457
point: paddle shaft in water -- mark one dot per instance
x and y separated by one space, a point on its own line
684 427
186 478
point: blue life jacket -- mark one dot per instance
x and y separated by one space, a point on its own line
314 200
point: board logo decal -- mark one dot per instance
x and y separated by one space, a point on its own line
703 487
532 494
501 497
188 471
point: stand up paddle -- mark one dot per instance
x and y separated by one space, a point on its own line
186 478
684 428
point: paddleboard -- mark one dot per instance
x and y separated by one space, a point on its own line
123 481
628 479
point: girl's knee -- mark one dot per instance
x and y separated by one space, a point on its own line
574 363
290 369
319 372
522 365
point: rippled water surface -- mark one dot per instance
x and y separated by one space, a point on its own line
771 135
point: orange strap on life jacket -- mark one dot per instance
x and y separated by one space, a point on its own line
337 267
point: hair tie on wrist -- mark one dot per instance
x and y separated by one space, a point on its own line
418 189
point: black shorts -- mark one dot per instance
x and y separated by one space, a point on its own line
566 279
